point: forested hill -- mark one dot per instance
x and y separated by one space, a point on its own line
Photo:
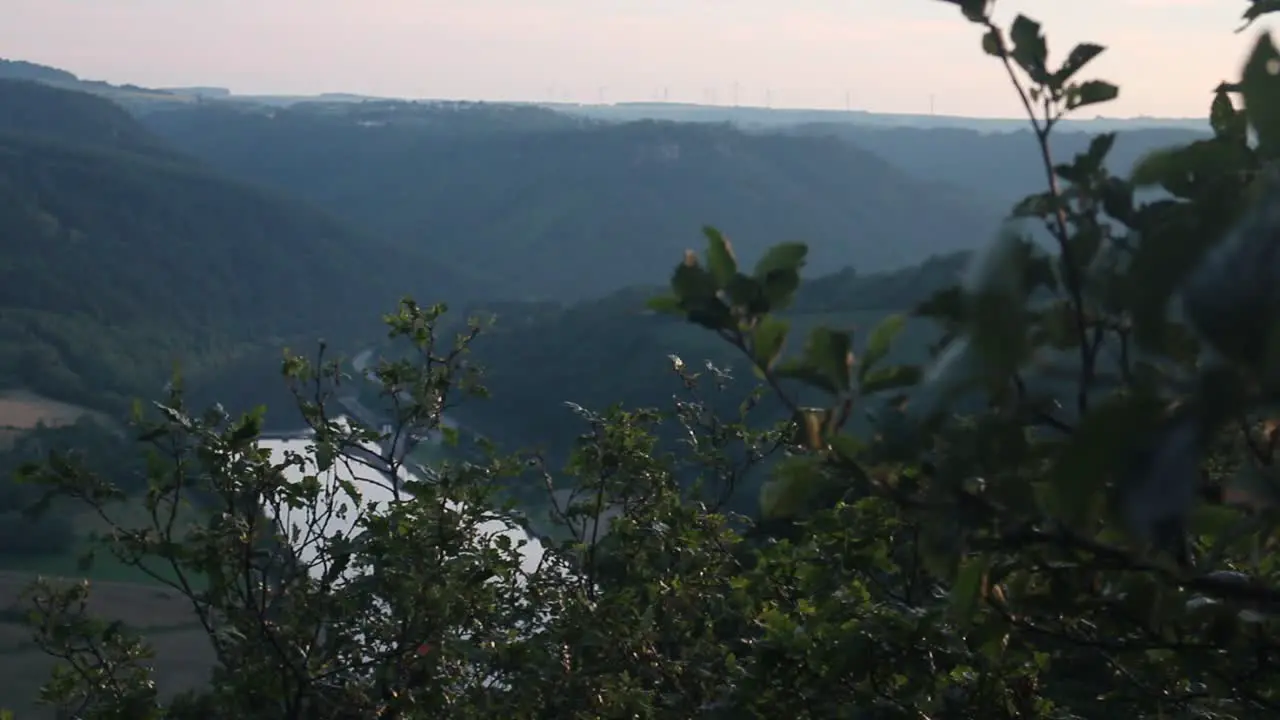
34 109
538 357
560 209
117 261
1003 166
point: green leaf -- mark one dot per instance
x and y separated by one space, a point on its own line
325 457
1099 147
966 591
1029 47
1038 273
974 10
1214 520
827 362
846 447
1117 199
803 371
992 43
780 287
945 306
692 283
830 352
767 341
1091 92
720 259
1253 487
1260 85
1226 122
998 331
664 304
710 313
1257 10
247 428
892 377
940 547
1089 164
1182 170
789 256
1057 326
796 479
1079 57
1155 166
748 294
1101 444
1040 205
880 341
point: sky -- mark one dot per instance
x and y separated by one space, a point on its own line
878 55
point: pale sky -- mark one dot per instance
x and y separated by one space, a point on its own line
888 55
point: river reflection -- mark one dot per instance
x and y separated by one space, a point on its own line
322 521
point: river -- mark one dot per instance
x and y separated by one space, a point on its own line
375 489
371 491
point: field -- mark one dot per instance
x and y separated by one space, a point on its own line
129 514
21 410
183 655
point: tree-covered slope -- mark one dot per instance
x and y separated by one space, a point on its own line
1000 166
576 210
611 350
115 264
35 109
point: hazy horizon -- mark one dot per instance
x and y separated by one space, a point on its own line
876 55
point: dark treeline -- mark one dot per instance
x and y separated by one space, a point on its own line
567 210
118 266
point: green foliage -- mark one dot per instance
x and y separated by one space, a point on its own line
1093 537
1088 457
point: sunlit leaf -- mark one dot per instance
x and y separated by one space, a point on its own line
768 339
664 304
892 377
879 342
783 256
720 259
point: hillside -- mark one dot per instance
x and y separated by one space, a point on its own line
35 109
578 211
117 261
131 96
23 70
609 350
1003 166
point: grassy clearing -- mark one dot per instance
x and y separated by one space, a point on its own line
183 655
90 526
21 410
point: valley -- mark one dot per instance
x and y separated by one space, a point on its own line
195 239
